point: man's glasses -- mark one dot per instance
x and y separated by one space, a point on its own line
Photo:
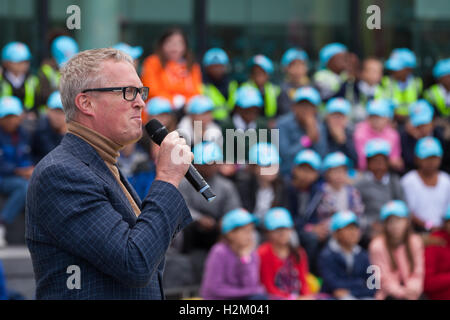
129 93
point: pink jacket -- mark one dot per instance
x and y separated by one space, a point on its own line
364 133
400 284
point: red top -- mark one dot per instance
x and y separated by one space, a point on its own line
283 277
437 269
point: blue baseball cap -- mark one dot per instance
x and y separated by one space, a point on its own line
54 101
309 94
338 105
334 160
158 105
264 154
341 219
236 218
401 58
377 146
133 52
428 147
447 214
10 106
310 157
199 104
16 52
215 56
420 112
278 217
442 68
263 62
248 96
380 107
394 208
207 152
329 51
293 54
63 48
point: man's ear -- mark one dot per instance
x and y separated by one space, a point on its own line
84 104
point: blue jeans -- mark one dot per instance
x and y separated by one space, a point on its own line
16 189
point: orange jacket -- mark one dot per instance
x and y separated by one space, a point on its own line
173 79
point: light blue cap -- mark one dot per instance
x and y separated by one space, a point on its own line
394 208
309 94
377 146
236 218
401 58
329 51
158 105
420 112
341 219
63 48
310 157
16 52
10 106
199 104
207 152
428 147
447 213
248 96
133 52
338 105
380 107
334 160
278 217
442 68
54 101
293 54
215 56
263 62
264 154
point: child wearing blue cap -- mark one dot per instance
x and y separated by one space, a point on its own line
437 263
378 125
399 255
16 79
343 264
198 124
203 232
427 189
161 109
438 93
301 128
339 133
338 193
50 129
217 83
232 266
377 185
284 265
294 64
261 68
16 165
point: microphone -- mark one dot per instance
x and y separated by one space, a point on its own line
157 133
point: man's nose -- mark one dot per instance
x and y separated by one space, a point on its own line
139 102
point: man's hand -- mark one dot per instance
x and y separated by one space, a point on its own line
174 159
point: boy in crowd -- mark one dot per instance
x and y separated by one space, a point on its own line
342 263
439 94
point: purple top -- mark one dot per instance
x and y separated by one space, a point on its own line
226 276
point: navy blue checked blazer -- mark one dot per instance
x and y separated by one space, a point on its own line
77 214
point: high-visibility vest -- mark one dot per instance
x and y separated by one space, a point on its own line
51 74
271 93
31 87
222 106
435 96
402 98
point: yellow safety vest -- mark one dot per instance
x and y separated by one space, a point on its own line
52 75
271 93
435 96
222 106
31 86
402 98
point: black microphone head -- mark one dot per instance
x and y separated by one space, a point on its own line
156 131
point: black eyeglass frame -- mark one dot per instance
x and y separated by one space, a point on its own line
142 91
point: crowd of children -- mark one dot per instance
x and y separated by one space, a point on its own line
356 176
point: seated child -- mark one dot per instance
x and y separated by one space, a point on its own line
232 267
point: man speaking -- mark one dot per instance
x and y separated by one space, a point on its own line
83 220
